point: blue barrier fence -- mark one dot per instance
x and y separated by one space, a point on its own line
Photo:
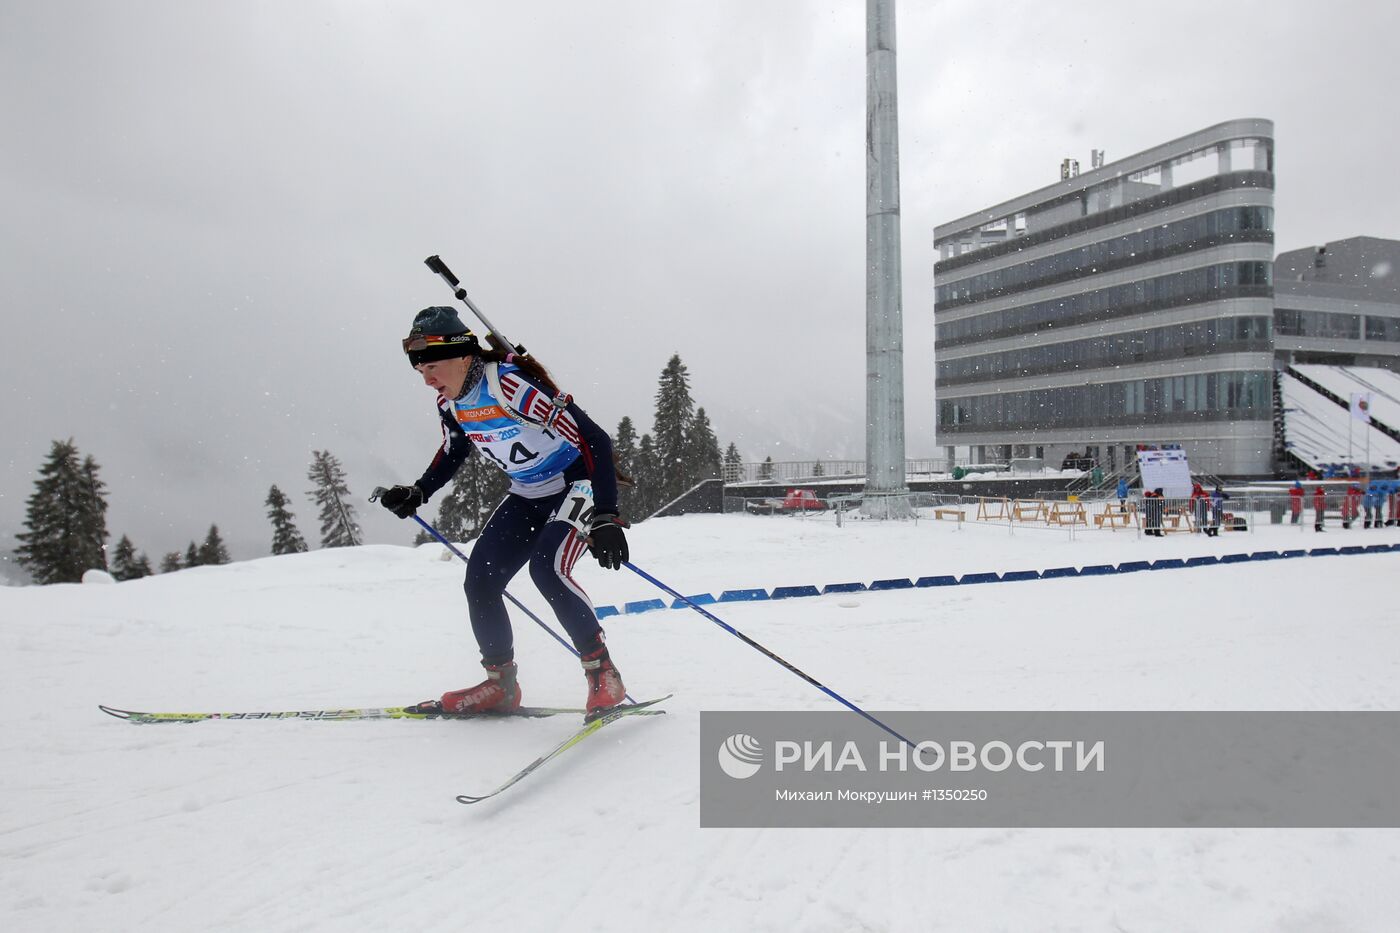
1092 570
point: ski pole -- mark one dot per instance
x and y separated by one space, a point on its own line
437 265
764 651
515 602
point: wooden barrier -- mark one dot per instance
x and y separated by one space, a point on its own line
1029 510
949 512
985 512
1067 513
1177 519
1116 516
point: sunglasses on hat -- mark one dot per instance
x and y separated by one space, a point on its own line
415 343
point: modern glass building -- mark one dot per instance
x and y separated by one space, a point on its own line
1339 304
1132 304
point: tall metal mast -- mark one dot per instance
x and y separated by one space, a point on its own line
884 316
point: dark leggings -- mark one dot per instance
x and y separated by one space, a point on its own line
518 531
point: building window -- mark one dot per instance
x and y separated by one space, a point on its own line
1318 324
1209 283
1382 328
1231 225
1166 400
1198 338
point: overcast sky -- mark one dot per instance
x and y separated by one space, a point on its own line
215 215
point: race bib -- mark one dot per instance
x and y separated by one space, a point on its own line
577 509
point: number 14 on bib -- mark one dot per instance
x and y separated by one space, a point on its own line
577 508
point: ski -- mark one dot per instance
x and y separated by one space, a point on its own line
592 726
339 715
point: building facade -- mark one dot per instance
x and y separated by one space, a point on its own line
1132 304
1339 304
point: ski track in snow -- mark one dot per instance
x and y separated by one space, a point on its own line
274 826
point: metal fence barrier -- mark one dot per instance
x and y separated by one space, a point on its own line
1239 512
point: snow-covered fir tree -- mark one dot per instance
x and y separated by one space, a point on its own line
671 430
332 497
66 519
733 465
192 555
476 490
171 562
126 564
681 449
625 450
286 538
213 551
646 497
702 448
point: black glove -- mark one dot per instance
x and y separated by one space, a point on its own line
403 501
607 541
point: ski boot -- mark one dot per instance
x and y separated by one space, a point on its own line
498 693
605 689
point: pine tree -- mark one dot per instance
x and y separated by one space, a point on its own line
331 495
125 564
192 555
142 567
476 490
213 552
286 539
93 508
733 465
647 497
171 562
625 447
675 417
66 524
765 469
702 448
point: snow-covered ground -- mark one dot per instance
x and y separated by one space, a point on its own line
273 826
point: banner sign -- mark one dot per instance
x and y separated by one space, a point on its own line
1051 769
1167 470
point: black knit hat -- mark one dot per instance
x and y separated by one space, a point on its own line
438 334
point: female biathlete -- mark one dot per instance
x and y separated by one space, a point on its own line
562 500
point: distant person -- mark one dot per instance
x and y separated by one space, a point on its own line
1295 501
506 409
1371 505
1217 509
1123 493
1351 504
1200 506
1319 507
1152 512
